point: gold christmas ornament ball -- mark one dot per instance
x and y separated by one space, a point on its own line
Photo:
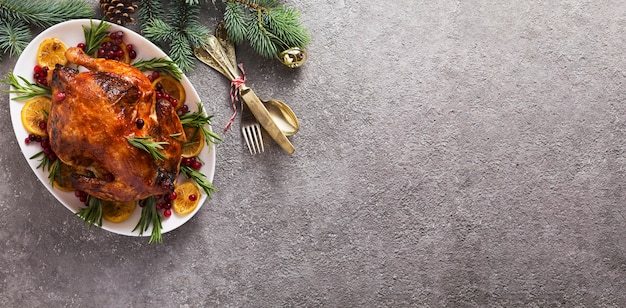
293 57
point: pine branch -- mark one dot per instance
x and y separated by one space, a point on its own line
14 37
269 28
44 14
180 29
262 40
17 16
158 30
150 9
235 22
181 53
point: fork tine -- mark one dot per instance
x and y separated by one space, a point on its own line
251 131
246 136
258 137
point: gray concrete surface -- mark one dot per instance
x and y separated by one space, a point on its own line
452 154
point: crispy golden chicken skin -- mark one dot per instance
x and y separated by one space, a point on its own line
93 115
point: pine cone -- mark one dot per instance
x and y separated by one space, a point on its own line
119 11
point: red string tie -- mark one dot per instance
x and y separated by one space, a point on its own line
235 84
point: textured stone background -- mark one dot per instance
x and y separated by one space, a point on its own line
452 153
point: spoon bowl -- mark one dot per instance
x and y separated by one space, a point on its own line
283 116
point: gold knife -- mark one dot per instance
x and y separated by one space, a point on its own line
262 115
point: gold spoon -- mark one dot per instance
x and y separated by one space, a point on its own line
283 116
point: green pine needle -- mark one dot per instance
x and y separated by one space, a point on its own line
17 36
236 22
150 9
179 30
268 28
158 30
181 53
16 18
44 14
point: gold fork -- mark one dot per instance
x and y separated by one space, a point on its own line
251 130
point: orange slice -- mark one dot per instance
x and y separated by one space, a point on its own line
172 87
195 142
51 51
116 211
34 112
187 198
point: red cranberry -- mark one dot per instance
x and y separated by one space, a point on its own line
173 195
193 197
81 46
196 165
59 96
167 213
109 177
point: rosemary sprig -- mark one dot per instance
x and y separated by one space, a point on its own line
150 217
92 214
160 65
199 178
45 164
200 120
23 88
149 145
94 36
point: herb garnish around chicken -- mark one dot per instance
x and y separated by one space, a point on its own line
23 88
200 120
94 36
161 65
45 163
199 178
150 217
149 145
92 214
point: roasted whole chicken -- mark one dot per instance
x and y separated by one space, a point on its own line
92 116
